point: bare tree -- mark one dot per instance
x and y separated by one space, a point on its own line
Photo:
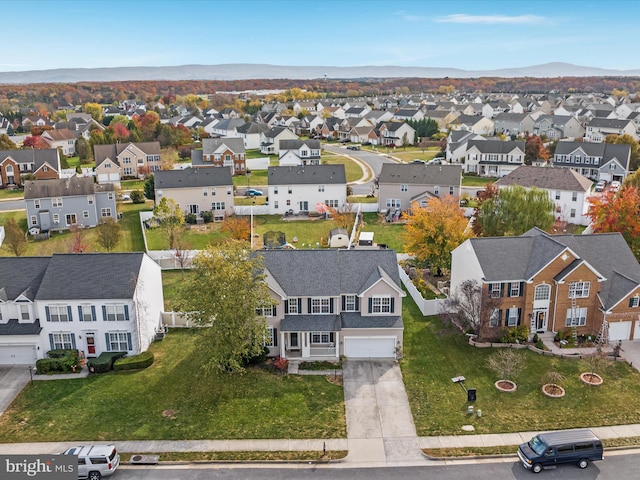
470 307
182 256
507 363
555 380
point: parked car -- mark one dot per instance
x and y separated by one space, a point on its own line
95 461
554 448
353 147
125 197
252 192
615 185
600 186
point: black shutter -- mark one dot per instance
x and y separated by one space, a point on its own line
69 313
274 310
506 317
299 306
370 304
393 303
46 312
80 313
502 289
522 289
519 316
357 303
331 305
631 302
500 317
508 289
275 337
344 303
286 307
309 305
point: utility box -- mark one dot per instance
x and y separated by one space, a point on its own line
471 395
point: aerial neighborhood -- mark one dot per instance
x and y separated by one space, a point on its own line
293 228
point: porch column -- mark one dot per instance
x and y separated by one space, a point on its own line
282 345
306 348
337 344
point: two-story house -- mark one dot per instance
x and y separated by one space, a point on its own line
554 282
221 152
59 204
599 128
42 164
250 134
95 303
197 190
567 189
473 123
299 152
270 140
305 187
402 185
597 161
126 160
395 134
64 139
330 303
493 158
555 127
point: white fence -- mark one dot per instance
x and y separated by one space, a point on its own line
1 235
173 319
427 307
246 209
365 207
70 172
261 163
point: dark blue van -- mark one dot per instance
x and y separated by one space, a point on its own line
546 450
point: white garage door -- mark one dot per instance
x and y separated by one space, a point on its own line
17 355
370 347
619 331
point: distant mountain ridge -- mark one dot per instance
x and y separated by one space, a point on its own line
247 71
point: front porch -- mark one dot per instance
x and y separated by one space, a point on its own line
310 337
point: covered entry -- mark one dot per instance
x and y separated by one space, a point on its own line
370 347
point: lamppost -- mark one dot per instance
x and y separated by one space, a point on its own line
31 373
251 221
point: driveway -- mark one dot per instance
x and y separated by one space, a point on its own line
380 428
630 351
13 378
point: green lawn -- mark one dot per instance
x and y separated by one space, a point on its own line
130 405
10 193
308 232
352 170
475 181
384 232
433 356
171 281
258 178
132 184
196 237
130 238
411 153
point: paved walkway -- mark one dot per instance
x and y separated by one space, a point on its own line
380 428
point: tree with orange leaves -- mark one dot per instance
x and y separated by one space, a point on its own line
432 232
238 228
618 212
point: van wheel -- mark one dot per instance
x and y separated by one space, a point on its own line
94 476
537 468
583 463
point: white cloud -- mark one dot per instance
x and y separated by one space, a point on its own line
491 19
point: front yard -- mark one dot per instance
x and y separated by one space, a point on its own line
130 406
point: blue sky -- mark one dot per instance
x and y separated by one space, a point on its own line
470 35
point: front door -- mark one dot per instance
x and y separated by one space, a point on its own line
91 343
541 320
71 219
304 206
195 209
293 340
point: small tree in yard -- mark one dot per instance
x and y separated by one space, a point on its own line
78 244
238 228
555 380
108 233
596 362
171 218
470 308
507 363
149 188
137 196
182 255
15 238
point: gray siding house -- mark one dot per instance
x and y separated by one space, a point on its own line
58 204
400 185
598 161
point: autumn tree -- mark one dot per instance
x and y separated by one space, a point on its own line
6 143
633 179
470 308
37 143
534 149
342 218
93 109
14 237
78 243
237 228
432 232
108 233
84 150
489 191
182 255
148 124
618 212
171 218
226 294
626 139
514 211
169 157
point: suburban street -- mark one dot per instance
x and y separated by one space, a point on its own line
615 466
10 205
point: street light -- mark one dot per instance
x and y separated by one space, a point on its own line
251 210
31 373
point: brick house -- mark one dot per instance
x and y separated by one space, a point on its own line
42 164
554 282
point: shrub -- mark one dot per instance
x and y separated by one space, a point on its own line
58 361
258 358
191 218
207 217
281 364
104 363
135 362
540 345
536 338
518 334
137 196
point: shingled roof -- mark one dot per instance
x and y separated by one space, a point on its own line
193 177
550 178
307 174
64 187
420 174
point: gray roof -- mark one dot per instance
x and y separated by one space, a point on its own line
14 327
550 178
605 151
21 276
310 323
355 320
64 187
35 156
608 123
88 276
495 146
193 177
421 174
307 174
252 127
329 272
210 145
296 144
196 158
520 258
102 152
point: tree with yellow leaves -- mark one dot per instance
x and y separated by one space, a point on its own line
432 232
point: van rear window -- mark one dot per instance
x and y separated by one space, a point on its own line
564 449
580 447
113 454
97 460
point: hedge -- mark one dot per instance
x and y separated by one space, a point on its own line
135 362
58 361
104 363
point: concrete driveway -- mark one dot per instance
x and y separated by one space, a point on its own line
380 428
630 351
13 378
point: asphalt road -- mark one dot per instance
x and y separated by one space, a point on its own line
614 467
8 205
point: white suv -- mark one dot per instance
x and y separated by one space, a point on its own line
95 461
